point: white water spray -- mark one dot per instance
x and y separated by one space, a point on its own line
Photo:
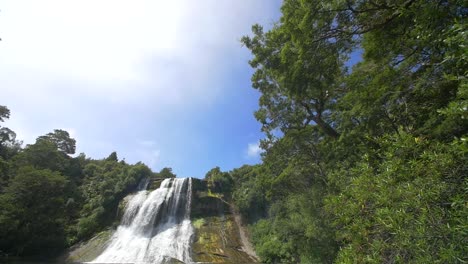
154 227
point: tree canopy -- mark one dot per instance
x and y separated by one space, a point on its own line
364 109
61 139
50 200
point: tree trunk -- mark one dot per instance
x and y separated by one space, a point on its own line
326 128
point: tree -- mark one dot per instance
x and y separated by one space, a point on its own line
298 76
49 200
44 155
408 50
392 187
4 113
31 221
8 143
62 140
406 207
166 173
299 63
113 157
249 192
219 181
9 146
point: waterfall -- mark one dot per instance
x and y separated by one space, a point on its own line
155 226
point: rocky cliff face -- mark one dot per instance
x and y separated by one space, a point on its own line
217 233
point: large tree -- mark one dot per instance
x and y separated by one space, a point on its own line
407 46
4 113
32 220
392 188
62 140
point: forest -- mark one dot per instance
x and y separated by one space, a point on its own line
363 162
50 200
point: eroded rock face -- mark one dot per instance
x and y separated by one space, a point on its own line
89 250
217 235
154 183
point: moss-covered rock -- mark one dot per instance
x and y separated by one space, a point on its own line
217 237
88 250
121 208
154 184
206 203
169 260
217 240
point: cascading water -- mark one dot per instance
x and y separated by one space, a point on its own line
154 227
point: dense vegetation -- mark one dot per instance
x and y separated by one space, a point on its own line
364 163
50 200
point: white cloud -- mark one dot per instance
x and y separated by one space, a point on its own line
120 50
146 151
150 157
112 69
254 150
147 143
149 153
93 39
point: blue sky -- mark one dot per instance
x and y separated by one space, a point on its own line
163 82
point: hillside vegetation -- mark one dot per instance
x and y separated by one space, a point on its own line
364 163
50 200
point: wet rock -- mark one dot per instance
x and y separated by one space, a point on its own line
154 184
88 250
169 260
217 236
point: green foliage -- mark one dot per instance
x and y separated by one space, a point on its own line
249 195
4 113
113 157
269 246
4 173
88 225
43 155
166 173
9 146
219 181
32 218
401 208
297 77
105 183
296 230
50 200
61 139
361 165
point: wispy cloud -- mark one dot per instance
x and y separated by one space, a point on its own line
118 70
147 143
120 50
254 150
151 157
